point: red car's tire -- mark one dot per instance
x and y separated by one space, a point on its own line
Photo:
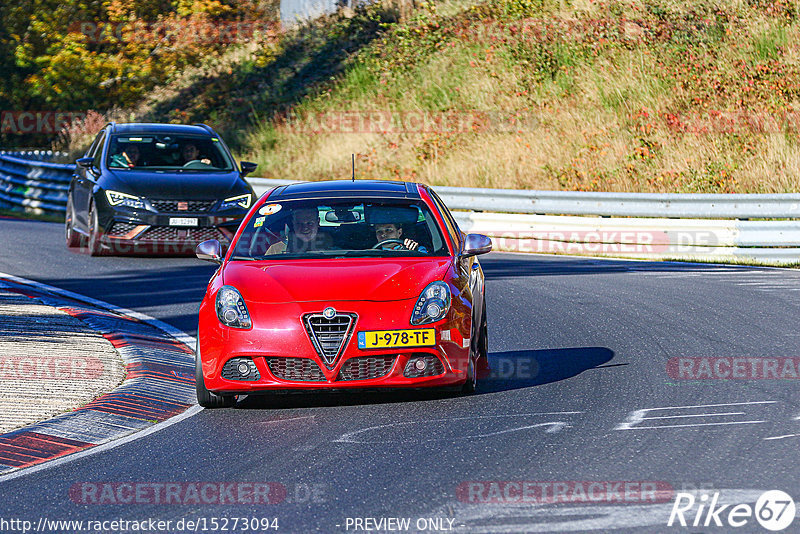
206 398
471 383
481 354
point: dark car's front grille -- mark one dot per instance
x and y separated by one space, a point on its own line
297 369
182 206
329 336
174 233
366 367
119 229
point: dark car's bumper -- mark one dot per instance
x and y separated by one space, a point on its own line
125 231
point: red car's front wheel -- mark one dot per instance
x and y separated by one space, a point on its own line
206 398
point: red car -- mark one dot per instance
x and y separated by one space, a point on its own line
339 285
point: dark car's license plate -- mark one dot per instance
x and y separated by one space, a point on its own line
380 339
183 221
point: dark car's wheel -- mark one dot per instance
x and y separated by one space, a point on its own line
73 238
95 249
206 398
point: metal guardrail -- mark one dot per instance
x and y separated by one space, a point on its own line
775 242
31 183
708 227
635 225
693 206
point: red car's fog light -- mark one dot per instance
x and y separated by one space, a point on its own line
240 369
423 365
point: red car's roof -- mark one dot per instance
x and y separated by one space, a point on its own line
346 188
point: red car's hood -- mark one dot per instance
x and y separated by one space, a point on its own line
331 280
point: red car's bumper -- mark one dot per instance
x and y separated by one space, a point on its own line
279 345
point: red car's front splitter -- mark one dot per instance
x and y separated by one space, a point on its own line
394 379
281 348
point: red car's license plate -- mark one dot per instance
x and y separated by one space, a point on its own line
381 339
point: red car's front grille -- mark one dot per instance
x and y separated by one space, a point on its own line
297 369
329 335
366 368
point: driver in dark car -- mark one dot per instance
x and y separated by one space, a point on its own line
190 153
392 231
127 157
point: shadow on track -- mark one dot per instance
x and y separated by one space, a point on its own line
508 370
519 369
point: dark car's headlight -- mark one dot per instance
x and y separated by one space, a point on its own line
115 198
239 201
432 304
231 309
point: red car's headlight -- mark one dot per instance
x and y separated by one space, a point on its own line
231 309
432 304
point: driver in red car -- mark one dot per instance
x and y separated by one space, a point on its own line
392 231
304 235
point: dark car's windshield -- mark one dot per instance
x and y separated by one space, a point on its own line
168 152
340 228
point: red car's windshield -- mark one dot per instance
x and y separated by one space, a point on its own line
328 228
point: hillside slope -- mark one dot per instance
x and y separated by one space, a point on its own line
653 95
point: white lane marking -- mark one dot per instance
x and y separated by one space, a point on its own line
694 424
781 437
637 416
181 336
102 448
770 283
693 415
555 426
786 436
284 420
171 330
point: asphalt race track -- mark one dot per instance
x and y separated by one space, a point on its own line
579 347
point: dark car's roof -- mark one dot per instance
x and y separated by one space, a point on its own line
143 127
346 188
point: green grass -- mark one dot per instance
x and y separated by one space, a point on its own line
610 96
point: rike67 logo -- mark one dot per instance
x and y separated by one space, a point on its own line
774 510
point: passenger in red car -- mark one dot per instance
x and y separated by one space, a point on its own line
304 235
